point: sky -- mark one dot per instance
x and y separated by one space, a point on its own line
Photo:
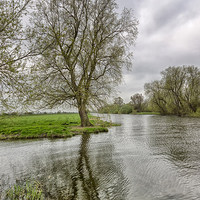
169 35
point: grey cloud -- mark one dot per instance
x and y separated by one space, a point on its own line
170 13
169 35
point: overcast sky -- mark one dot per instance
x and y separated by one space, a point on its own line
169 35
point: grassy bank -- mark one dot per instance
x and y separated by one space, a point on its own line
47 126
148 113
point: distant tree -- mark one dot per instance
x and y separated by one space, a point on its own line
126 109
137 101
174 81
118 101
84 46
109 108
192 92
157 96
178 92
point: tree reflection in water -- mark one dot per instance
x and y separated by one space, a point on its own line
86 173
84 181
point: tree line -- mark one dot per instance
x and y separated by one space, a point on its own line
177 93
137 104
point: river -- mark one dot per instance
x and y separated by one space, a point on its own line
146 158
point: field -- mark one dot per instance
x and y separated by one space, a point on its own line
47 126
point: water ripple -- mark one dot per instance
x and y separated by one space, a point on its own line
147 158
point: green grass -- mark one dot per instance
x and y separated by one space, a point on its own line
47 125
148 113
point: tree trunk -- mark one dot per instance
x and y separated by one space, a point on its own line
84 117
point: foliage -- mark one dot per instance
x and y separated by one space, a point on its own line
119 107
116 109
126 109
83 47
110 109
137 100
177 93
118 101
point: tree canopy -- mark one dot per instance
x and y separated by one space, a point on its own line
178 92
83 47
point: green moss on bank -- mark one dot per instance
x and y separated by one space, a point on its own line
47 126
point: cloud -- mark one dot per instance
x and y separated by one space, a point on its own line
169 35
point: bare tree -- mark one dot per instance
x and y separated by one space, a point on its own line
88 45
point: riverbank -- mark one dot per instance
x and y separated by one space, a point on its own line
48 126
136 113
148 113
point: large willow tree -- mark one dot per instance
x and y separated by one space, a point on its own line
83 46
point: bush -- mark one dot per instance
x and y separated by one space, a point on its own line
126 109
134 112
197 113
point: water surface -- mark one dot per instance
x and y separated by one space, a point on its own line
147 158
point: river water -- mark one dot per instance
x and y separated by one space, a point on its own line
146 158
